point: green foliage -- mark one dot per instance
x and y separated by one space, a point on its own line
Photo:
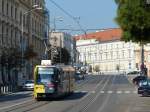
30 53
133 16
97 69
118 68
63 56
11 57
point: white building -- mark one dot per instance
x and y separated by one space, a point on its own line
105 50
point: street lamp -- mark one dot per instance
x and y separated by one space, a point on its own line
35 7
54 47
57 19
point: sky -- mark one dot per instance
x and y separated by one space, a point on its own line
93 14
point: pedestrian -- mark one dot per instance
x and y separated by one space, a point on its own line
145 70
142 69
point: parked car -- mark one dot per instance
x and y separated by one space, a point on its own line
134 73
144 87
28 85
137 79
79 76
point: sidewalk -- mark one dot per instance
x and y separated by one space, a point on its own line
5 90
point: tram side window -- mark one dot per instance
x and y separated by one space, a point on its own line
57 76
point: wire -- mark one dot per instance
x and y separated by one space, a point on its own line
68 14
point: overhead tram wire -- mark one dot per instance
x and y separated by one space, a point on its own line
96 29
68 14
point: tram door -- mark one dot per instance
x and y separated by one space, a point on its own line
59 81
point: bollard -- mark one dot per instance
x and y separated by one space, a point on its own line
7 89
4 89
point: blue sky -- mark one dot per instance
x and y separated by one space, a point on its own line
94 14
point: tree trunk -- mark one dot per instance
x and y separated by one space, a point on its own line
142 58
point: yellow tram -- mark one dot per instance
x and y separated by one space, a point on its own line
53 80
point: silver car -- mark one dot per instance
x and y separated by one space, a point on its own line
28 85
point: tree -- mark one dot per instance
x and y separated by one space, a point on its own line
63 56
133 16
90 68
118 68
9 60
30 53
11 57
97 69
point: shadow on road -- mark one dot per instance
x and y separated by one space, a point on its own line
73 96
12 97
121 79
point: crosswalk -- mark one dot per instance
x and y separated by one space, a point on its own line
110 92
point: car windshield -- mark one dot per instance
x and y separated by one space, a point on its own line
29 82
145 82
45 75
78 74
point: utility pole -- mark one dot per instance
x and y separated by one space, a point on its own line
60 48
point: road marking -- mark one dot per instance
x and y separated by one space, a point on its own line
127 92
119 92
109 92
93 92
134 91
102 91
84 91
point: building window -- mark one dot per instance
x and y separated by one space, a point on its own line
7 9
129 53
3 6
123 54
15 37
130 65
20 18
6 38
11 40
15 13
137 66
12 11
117 54
111 55
2 32
24 20
117 45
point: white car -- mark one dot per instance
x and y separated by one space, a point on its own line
28 85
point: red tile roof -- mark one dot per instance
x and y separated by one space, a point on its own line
105 35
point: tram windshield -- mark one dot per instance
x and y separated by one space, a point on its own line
45 75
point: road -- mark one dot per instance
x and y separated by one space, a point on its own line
97 93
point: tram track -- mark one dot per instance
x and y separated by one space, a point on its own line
79 86
85 108
83 104
31 105
25 107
